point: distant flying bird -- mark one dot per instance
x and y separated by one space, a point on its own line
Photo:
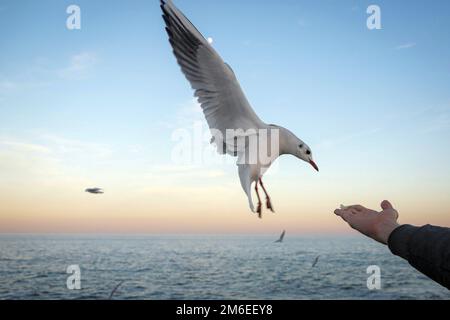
281 237
115 289
94 190
233 123
315 261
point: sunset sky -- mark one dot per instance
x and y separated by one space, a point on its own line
102 107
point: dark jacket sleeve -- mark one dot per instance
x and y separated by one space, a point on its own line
426 248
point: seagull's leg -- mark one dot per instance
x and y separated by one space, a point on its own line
268 202
259 206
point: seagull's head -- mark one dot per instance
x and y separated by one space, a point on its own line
291 144
304 153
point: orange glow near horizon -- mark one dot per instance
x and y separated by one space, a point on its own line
202 210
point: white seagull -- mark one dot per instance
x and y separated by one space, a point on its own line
232 121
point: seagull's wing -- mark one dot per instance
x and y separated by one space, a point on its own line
216 87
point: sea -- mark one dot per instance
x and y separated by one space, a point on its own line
207 267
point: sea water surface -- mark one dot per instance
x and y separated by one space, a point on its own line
205 267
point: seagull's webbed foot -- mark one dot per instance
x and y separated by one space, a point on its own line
259 210
269 204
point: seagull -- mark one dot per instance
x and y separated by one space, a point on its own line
281 237
94 190
315 261
233 123
115 289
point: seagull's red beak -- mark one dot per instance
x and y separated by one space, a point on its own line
314 165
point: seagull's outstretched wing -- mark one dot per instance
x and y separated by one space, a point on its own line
216 87
281 237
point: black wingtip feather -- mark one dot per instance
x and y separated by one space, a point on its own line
163 8
169 32
166 20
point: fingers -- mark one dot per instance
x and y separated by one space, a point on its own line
344 214
357 207
386 205
354 209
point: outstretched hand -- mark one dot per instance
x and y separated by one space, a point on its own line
376 225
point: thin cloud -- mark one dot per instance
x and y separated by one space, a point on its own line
177 179
79 66
11 86
65 145
41 75
7 85
177 171
404 46
27 161
187 114
430 119
56 145
23 146
48 160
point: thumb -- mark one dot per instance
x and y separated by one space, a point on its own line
386 205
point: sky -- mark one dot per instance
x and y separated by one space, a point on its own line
106 105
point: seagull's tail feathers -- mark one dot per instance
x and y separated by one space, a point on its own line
246 182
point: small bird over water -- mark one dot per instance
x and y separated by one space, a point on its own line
281 237
115 289
94 190
315 261
234 125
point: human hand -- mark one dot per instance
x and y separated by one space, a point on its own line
376 225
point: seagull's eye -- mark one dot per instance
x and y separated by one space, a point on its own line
308 152
301 146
